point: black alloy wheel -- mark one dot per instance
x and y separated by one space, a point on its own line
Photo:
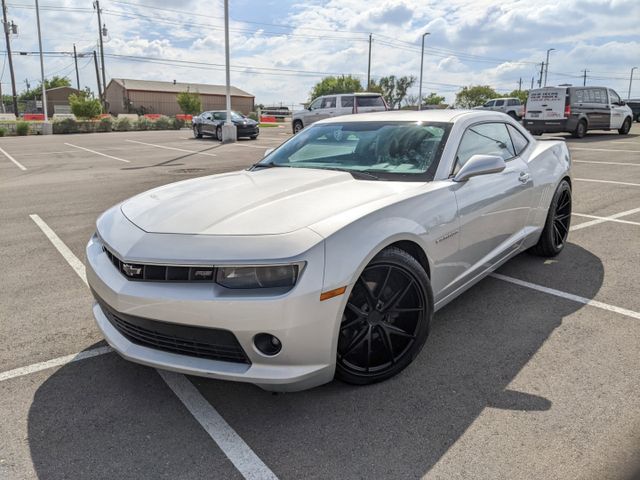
556 229
386 320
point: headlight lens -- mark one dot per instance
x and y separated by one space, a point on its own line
276 276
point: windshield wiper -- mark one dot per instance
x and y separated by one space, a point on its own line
357 174
265 165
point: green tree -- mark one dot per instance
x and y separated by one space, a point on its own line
189 103
36 92
521 94
333 85
393 89
433 99
474 96
84 106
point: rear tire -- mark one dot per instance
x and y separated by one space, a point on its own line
626 126
556 227
386 320
581 129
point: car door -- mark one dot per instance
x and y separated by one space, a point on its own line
327 109
314 112
207 122
498 106
599 112
493 208
617 109
345 105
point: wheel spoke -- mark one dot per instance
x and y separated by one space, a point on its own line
371 300
397 331
399 295
350 323
356 341
386 341
384 283
369 347
355 309
405 310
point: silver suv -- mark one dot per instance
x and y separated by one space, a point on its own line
511 106
335 105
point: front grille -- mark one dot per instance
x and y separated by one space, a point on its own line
161 273
210 343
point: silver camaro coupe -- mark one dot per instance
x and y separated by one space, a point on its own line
330 256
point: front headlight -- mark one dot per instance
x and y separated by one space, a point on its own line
275 276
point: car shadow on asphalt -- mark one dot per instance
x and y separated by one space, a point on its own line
591 137
395 429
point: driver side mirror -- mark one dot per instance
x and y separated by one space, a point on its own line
480 165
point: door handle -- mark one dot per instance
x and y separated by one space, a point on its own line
524 177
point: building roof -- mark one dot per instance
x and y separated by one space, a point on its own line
177 87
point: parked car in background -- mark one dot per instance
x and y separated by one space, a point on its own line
511 106
576 110
634 105
329 106
210 123
278 112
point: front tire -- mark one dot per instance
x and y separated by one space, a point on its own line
297 126
197 133
626 126
581 129
556 227
386 320
219 133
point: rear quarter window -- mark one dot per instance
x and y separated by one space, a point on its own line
374 101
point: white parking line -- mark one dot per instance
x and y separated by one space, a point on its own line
604 219
240 454
604 150
56 362
98 153
627 164
568 296
607 181
173 148
236 450
18 164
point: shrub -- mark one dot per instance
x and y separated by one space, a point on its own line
84 106
144 123
66 125
105 124
122 124
189 103
163 123
3 132
178 123
22 128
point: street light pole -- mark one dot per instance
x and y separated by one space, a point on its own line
630 82
228 129
5 25
421 67
46 124
546 68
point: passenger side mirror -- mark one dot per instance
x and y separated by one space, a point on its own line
268 151
480 165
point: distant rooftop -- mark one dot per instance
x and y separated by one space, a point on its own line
177 87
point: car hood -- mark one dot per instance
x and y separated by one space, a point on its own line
263 202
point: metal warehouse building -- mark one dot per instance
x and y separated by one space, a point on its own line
149 96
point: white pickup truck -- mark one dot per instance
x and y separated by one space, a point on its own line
510 105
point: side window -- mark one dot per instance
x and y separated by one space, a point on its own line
216 116
499 103
329 102
579 96
520 142
484 139
316 103
600 95
614 97
489 103
346 101
513 102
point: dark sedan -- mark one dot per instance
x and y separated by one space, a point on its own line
210 123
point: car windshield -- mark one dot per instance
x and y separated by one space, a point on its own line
234 116
387 149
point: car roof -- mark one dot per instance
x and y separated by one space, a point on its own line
443 115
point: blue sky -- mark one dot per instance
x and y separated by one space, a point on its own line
280 48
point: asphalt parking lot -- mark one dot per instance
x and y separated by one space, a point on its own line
534 373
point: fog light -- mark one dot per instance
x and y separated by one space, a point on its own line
267 344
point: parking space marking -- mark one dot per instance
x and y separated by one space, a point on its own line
607 181
568 296
604 150
98 153
55 362
608 163
18 164
173 148
604 219
238 452
248 146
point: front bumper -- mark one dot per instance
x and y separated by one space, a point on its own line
306 327
247 131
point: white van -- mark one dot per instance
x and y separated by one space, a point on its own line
576 110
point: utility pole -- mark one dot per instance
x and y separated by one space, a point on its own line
421 66
95 61
520 85
101 30
630 82
229 132
5 24
584 77
531 83
75 59
540 77
46 125
369 67
546 69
